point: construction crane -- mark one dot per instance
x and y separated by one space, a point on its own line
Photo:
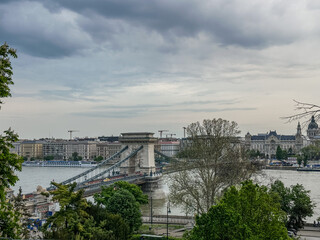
184 132
171 134
71 131
161 131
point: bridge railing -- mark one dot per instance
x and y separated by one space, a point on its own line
112 167
94 168
98 185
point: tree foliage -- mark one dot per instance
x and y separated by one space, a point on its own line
250 212
311 152
78 219
214 160
107 192
6 70
124 203
9 162
72 219
295 201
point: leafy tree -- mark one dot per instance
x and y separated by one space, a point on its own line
9 162
6 70
75 157
108 192
299 160
311 152
24 215
98 159
295 201
112 224
124 203
279 153
213 161
71 220
250 212
47 158
305 161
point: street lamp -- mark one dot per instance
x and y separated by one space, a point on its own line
168 211
151 211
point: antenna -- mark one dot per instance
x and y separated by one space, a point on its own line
71 131
161 131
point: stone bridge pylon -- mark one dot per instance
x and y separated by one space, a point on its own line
143 161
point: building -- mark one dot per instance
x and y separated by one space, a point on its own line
55 148
313 131
267 143
107 149
32 149
168 147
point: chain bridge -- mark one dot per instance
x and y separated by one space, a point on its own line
134 163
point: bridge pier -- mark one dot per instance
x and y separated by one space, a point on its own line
143 162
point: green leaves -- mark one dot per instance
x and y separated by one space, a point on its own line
250 212
6 70
124 199
9 162
295 201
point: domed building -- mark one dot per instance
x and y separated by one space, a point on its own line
313 129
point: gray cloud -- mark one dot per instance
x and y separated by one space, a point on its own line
57 28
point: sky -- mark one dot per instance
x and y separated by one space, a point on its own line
104 67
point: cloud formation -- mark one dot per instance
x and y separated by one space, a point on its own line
157 63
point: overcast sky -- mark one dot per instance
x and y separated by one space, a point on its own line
105 67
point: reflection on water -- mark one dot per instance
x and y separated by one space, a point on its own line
31 177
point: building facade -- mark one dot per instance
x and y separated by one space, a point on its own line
267 143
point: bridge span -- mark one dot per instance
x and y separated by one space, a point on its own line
136 165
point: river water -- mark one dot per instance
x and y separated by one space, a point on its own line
31 177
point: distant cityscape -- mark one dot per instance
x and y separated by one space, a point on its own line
89 149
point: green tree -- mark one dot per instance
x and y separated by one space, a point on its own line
279 155
311 152
71 221
98 159
47 158
250 212
214 160
295 201
124 203
107 192
6 70
299 160
9 162
112 224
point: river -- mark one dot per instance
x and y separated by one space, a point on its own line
31 177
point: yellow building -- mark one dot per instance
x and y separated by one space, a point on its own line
32 149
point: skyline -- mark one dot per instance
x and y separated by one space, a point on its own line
108 67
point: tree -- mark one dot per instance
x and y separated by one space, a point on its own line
107 192
98 159
49 157
75 157
250 212
124 203
295 201
6 70
9 162
71 220
112 224
214 160
299 160
311 152
279 153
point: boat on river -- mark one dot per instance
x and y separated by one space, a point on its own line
310 168
59 163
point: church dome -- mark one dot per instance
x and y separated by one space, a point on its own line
313 124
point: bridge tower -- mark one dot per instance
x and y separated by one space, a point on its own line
143 161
